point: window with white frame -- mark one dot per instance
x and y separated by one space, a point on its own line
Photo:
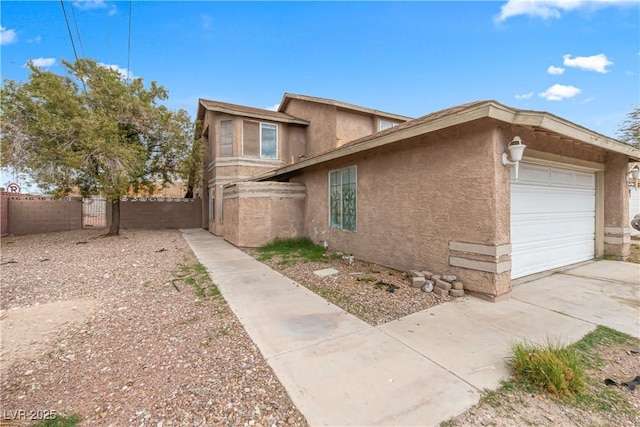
226 138
260 139
386 124
343 198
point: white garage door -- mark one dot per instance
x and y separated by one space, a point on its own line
553 213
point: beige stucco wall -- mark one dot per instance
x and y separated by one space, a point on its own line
220 171
255 213
559 146
330 126
321 132
295 143
414 197
617 233
351 125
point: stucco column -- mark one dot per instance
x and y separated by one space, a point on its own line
616 207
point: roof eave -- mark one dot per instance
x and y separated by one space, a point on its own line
489 109
339 104
562 127
220 109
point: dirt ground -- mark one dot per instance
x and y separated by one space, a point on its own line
99 327
517 408
635 250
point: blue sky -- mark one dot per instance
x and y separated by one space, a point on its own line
577 59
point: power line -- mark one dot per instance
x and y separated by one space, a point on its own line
73 13
73 45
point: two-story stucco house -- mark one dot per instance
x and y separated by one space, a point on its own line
431 192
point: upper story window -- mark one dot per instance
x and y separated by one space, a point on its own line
226 138
343 196
260 139
385 124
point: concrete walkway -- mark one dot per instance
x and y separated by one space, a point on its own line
419 370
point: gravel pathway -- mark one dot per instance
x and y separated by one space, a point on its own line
152 352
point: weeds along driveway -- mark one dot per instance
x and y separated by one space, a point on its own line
157 347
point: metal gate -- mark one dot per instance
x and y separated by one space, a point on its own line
94 212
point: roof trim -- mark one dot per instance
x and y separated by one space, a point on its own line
560 126
241 110
456 116
289 96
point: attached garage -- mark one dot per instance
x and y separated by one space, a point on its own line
553 218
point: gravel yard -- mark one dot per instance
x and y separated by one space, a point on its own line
361 289
149 351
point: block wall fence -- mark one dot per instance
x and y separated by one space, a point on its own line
26 214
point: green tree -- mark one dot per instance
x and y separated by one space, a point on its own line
92 130
629 132
191 165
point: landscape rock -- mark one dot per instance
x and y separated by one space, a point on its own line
435 277
415 273
457 285
427 274
418 282
449 278
428 286
442 293
443 285
456 293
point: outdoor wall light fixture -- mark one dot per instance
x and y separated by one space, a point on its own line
516 149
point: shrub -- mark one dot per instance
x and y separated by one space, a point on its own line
553 367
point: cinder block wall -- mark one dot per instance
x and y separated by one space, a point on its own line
4 215
155 214
32 214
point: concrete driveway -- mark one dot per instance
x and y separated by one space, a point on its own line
602 292
471 338
419 370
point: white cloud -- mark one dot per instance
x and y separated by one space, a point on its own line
549 9
36 39
597 63
555 70
95 4
42 62
90 4
206 21
559 92
7 36
525 96
120 70
273 107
